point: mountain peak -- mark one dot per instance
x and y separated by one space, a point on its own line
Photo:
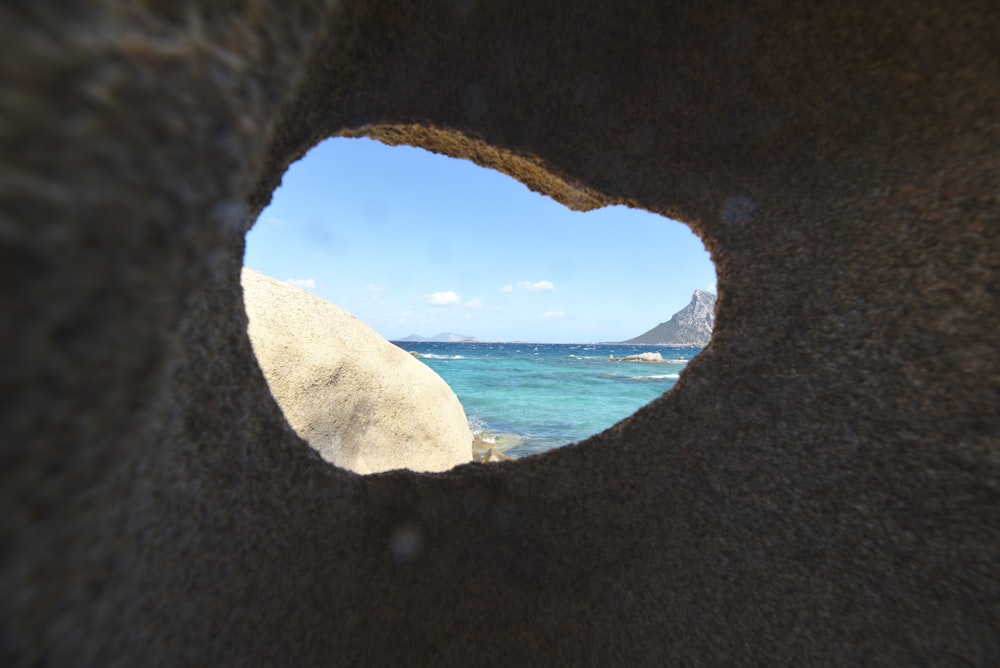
691 326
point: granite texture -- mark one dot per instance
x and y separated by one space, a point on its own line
361 402
822 486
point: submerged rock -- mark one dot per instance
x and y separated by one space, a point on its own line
362 402
494 455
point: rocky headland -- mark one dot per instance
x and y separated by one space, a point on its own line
691 326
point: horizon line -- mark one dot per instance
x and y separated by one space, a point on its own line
552 343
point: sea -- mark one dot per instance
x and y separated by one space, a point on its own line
527 398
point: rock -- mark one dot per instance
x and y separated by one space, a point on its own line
494 455
480 445
691 326
820 491
363 403
493 447
641 357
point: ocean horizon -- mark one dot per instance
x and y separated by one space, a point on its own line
526 398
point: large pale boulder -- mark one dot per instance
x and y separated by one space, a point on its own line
363 403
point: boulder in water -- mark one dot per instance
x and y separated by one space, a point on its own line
641 357
362 402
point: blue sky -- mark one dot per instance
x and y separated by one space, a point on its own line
417 243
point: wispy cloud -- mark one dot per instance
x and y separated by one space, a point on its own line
473 304
530 286
554 314
536 286
307 283
444 299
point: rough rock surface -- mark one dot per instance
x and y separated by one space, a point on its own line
819 488
362 402
691 326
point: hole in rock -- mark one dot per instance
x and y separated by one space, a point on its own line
519 304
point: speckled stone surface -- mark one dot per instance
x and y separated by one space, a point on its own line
821 487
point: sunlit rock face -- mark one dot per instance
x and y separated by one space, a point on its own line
691 326
361 402
819 487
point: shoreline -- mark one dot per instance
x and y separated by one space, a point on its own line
490 447
401 343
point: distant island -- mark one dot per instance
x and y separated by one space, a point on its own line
443 337
691 326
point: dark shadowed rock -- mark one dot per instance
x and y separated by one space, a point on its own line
819 488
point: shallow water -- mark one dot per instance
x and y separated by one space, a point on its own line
531 397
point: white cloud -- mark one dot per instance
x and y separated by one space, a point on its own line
307 283
507 288
444 298
451 298
537 286
713 288
273 220
554 314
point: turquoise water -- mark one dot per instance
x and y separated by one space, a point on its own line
531 397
